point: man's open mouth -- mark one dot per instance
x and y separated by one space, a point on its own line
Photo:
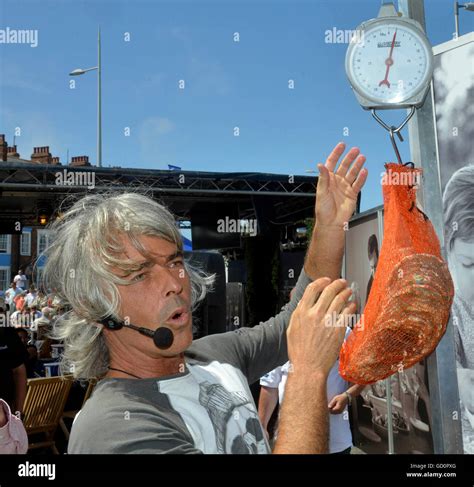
179 316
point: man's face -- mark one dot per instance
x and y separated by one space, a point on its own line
461 266
159 295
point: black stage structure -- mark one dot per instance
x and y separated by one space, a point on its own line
24 186
258 269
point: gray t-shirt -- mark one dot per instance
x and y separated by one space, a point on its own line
206 409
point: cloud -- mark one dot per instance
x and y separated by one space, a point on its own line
155 126
209 77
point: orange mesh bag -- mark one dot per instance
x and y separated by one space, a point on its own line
411 295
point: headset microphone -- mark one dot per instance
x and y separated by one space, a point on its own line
162 337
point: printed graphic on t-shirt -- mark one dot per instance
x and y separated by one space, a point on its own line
227 410
216 405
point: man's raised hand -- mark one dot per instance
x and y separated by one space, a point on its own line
336 195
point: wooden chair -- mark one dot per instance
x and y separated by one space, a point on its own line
43 408
72 414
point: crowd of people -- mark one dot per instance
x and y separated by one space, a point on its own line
26 317
30 313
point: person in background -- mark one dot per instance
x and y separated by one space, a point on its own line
33 314
458 215
18 318
373 255
24 336
3 317
24 317
21 280
339 395
41 300
34 366
10 295
13 437
458 202
31 296
20 300
13 355
51 296
42 328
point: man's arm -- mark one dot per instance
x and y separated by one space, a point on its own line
336 199
313 346
356 389
325 252
313 341
256 350
339 402
111 423
268 396
304 426
266 404
20 381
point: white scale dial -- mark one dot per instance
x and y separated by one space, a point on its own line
389 62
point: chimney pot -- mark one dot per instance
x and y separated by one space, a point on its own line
3 148
41 155
12 151
80 161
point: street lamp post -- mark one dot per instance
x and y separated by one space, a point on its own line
78 72
469 6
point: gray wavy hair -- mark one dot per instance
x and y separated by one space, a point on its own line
86 241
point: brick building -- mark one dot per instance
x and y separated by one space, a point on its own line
21 251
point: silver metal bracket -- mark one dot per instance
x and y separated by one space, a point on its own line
392 130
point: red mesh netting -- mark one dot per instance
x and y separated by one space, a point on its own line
411 295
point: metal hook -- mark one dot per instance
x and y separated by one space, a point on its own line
392 130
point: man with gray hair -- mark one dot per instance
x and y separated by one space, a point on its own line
117 261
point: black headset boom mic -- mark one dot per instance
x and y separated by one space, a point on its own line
162 337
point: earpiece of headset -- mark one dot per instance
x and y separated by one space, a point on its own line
111 323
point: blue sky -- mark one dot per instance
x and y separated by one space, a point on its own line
228 84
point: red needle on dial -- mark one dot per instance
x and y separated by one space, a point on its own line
389 62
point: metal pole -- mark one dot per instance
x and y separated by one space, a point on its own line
456 18
388 380
444 395
388 388
99 103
